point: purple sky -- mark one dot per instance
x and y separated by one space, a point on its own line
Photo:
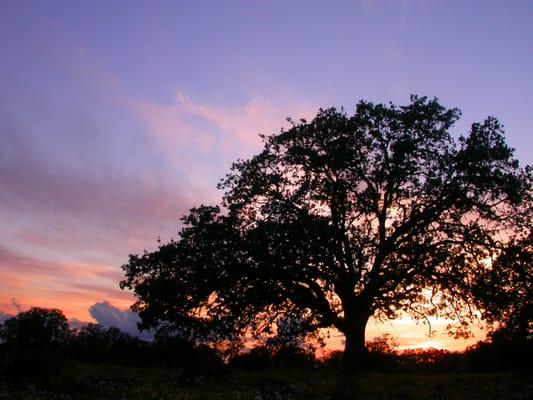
117 117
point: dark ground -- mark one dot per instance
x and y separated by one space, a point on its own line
80 381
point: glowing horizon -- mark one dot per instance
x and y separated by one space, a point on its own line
407 333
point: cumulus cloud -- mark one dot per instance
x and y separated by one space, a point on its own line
108 316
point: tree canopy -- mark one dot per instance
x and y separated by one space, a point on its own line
37 327
342 218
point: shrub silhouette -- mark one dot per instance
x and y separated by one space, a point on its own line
257 359
95 344
261 358
203 363
501 352
171 351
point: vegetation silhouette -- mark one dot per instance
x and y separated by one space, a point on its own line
37 327
512 307
37 346
343 218
33 343
93 343
105 363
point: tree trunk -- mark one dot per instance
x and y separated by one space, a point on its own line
355 355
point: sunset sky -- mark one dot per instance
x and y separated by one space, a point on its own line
116 117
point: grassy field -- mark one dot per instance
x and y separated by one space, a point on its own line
106 382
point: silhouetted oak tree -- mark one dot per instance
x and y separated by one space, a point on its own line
340 219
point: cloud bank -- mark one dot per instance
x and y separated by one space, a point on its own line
108 316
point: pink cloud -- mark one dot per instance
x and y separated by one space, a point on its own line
232 129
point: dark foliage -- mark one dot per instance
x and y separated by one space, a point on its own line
262 358
44 365
38 345
508 292
430 360
95 344
40 366
35 328
204 364
500 353
172 351
34 344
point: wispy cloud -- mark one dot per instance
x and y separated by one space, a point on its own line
220 130
48 283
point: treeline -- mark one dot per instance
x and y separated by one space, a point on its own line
40 342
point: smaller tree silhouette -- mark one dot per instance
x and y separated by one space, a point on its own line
35 328
35 342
